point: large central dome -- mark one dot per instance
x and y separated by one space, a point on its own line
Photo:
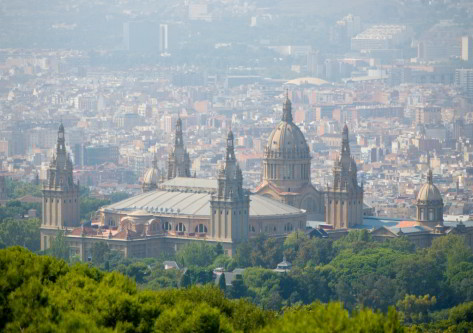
286 163
287 140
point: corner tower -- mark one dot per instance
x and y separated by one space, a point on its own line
229 207
286 167
61 205
178 161
344 200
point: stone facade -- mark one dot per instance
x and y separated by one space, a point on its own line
183 210
178 161
286 168
344 200
230 206
61 204
429 204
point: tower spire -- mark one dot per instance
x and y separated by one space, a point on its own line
430 178
178 138
345 143
155 161
230 156
287 109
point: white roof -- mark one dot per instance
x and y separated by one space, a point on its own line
186 199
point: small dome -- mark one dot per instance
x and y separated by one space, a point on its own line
429 192
151 177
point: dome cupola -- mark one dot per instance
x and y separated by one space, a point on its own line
429 204
152 177
287 155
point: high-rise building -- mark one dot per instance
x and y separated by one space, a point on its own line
464 81
344 200
178 160
467 48
61 204
163 38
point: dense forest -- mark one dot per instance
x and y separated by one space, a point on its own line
45 294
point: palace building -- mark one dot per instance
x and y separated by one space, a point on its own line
181 210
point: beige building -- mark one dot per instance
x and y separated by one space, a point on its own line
182 210
178 161
344 200
61 204
286 168
428 115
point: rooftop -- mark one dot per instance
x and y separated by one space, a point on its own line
191 197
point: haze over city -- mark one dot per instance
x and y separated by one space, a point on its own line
274 165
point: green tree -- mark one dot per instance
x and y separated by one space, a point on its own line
89 206
99 252
238 289
59 247
243 255
221 282
333 318
185 280
315 251
21 232
17 189
197 254
138 271
414 308
293 242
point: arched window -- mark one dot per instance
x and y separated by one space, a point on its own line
201 228
154 227
111 222
180 227
167 226
251 228
431 214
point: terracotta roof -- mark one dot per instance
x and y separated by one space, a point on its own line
87 232
406 224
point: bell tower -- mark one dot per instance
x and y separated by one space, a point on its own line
230 205
61 205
